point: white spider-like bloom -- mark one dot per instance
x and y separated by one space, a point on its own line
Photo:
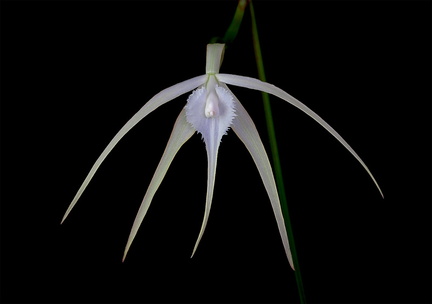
211 110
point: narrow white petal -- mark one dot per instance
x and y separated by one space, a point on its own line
182 131
245 129
212 141
158 100
210 110
252 83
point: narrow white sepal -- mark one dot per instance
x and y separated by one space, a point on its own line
182 131
214 57
155 102
201 102
255 84
245 129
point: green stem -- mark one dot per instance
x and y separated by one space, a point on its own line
275 155
232 30
229 37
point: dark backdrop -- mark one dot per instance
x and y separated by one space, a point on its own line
74 72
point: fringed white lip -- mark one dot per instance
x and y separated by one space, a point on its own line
211 110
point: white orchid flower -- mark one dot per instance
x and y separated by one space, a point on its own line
211 110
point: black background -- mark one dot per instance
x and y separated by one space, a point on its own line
74 72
